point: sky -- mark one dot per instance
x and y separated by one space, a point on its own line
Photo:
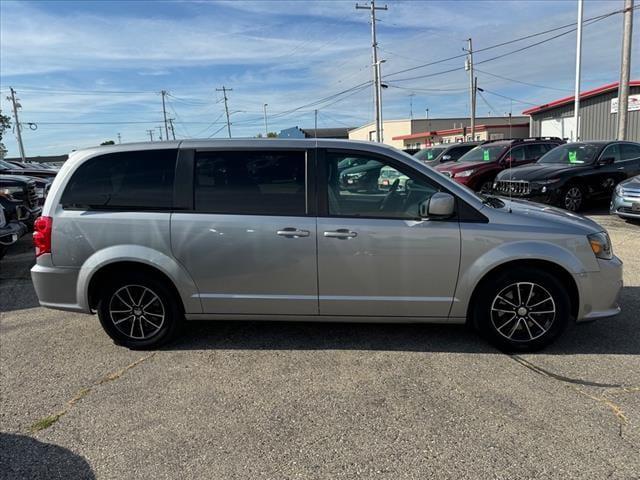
86 71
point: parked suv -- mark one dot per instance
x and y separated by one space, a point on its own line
11 229
478 168
443 153
147 235
571 174
24 192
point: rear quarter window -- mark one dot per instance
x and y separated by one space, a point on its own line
140 180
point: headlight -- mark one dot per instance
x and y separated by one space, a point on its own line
619 190
40 192
464 173
601 245
9 191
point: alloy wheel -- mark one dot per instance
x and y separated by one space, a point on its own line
573 199
523 312
136 311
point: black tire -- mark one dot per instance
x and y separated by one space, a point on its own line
144 296
573 197
527 329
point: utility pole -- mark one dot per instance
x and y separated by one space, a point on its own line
625 67
164 113
16 105
376 66
224 91
266 127
150 132
472 94
315 123
119 138
160 132
576 102
426 113
173 132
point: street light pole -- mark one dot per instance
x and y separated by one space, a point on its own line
266 127
576 103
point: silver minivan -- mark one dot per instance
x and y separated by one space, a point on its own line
148 235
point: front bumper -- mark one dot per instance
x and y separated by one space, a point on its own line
599 291
623 207
10 233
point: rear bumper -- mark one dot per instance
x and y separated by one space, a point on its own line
56 287
599 291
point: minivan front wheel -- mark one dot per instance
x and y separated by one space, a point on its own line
522 311
138 312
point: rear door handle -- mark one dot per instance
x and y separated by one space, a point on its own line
291 232
340 233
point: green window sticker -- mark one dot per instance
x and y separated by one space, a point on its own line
430 155
485 155
573 156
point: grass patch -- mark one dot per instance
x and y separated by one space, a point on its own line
45 422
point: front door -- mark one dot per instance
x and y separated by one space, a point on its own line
250 241
376 257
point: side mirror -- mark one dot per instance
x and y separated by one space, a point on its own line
440 205
606 161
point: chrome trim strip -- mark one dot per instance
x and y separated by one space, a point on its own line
355 298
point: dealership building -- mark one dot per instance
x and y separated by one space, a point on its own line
598 115
420 132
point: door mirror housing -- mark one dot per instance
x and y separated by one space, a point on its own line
606 161
445 158
440 205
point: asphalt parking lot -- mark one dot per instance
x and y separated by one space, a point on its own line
293 400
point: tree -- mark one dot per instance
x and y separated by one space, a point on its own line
5 124
272 135
108 142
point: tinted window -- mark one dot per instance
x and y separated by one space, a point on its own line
126 180
375 189
517 153
250 183
612 151
535 151
428 154
630 151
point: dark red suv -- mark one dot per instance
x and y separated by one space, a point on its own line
478 167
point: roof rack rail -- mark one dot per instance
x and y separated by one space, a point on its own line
523 140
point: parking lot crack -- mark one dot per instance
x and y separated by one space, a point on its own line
49 420
574 383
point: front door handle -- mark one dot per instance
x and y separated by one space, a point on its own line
340 233
291 232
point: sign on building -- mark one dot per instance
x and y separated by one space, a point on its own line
634 103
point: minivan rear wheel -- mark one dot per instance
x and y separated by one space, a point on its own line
138 312
522 311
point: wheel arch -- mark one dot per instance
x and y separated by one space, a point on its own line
122 258
560 272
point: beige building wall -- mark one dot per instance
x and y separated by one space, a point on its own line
391 128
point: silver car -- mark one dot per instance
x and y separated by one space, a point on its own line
625 201
148 235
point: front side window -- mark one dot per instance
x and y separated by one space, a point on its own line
124 181
251 183
428 154
612 151
375 189
517 154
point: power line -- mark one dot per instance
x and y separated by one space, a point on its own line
505 96
521 82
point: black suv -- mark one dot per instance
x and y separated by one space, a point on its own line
570 174
446 152
19 193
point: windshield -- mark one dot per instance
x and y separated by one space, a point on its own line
571 154
489 153
427 154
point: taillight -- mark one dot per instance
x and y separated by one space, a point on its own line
42 235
